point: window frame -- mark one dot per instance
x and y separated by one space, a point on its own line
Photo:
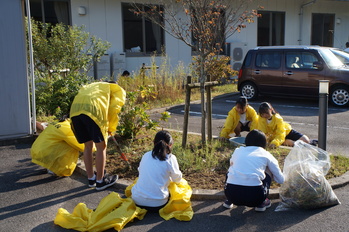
271 55
319 29
143 46
43 13
194 52
272 40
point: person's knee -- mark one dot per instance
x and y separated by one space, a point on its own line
305 139
238 128
288 142
100 146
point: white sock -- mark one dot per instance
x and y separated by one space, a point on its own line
93 177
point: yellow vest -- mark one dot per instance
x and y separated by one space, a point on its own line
102 102
57 149
234 118
276 130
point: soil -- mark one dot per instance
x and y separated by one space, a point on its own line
210 178
197 180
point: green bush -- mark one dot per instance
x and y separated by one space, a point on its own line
63 55
133 116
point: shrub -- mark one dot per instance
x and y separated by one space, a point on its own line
62 57
215 66
133 116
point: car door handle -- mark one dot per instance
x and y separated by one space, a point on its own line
257 71
289 73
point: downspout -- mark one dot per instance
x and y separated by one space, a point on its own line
301 20
31 68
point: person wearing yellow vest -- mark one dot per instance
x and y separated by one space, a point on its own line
94 114
241 118
277 131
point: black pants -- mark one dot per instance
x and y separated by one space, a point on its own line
251 196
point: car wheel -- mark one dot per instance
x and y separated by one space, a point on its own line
249 90
340 96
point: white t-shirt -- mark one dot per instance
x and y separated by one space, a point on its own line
346 50
243 119
154 177
249 165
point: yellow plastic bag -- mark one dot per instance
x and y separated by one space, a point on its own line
179 205
112 212
57 149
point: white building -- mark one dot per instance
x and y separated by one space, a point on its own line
283 22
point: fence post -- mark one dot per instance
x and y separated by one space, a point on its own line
209 111
186 112
143 73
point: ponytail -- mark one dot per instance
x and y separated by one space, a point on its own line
162 145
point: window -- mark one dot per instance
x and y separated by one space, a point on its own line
301 60
322 29
141 36
50 11
268 60
271 28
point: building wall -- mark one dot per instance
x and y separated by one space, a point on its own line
104 20
14 96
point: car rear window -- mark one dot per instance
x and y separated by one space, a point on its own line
247 61
268 59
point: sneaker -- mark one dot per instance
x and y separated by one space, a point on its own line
262 207
228 205
50 172
107 182
314 142
92 183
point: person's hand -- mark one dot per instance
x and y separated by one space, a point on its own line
272 146
222 139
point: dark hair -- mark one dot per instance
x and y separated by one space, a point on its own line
162 145
112 82
242 101
264 107
256 138
347 44
125 73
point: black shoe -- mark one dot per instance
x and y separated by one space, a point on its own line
107 182
92 183
314 142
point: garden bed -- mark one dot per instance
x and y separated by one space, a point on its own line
202 168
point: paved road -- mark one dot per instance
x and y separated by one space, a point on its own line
302 114
30 199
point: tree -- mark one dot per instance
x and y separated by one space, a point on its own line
203 25
63 55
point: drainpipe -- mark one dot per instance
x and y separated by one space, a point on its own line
31 68
301 20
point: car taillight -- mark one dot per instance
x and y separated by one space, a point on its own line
240 73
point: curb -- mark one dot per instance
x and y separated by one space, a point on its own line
208 194
162 109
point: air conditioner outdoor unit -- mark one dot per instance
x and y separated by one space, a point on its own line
238 51
117 63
